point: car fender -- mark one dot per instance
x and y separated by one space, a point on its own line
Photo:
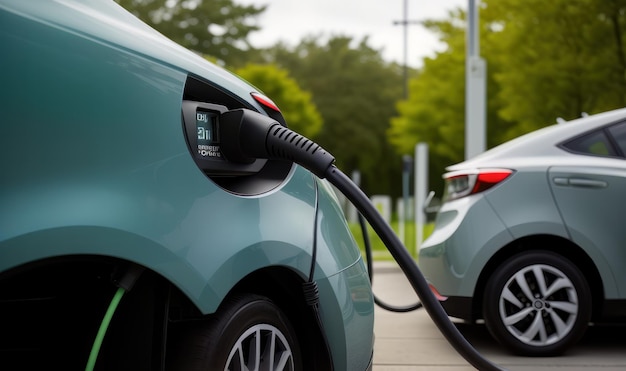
467 232
538 212
184 229
610 284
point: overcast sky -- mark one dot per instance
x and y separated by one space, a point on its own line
290 20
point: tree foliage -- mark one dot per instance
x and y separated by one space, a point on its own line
355 91
219 28
544 60
562 58
434 110
296 104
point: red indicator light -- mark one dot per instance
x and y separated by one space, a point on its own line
265 101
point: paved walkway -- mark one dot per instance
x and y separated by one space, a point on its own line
411 341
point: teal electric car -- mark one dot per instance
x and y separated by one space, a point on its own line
128 241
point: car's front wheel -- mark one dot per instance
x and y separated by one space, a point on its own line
248 332
537 303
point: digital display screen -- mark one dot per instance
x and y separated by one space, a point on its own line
208 145
204 126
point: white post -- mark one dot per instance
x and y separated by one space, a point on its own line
403 206
475 91
351 210
401 221
421 189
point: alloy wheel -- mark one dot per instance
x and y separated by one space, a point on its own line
539 305
261 347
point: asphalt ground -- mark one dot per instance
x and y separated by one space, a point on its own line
411 341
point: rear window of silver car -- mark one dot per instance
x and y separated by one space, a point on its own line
608 142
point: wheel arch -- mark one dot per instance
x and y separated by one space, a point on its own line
156 297
284 287
62 300
280 283
555 244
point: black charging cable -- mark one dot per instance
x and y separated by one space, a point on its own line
247 135
370 272
311 292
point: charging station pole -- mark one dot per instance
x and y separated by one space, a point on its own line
405 207
421 189
475 90
351 211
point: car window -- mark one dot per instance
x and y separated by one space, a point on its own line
595 143
618 132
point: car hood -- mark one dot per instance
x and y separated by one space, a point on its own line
107 22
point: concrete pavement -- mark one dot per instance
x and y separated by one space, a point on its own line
411 341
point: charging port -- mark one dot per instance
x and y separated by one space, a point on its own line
202 125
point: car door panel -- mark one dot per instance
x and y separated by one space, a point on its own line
591 200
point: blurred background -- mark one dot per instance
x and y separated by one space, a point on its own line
350 76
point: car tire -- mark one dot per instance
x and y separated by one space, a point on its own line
247 332
537 303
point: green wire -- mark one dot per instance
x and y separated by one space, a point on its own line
95 349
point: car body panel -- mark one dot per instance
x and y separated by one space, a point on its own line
591 204
455 269
537 214
352 287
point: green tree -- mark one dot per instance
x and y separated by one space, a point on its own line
296 104
355 91
562 58
219 28
434 112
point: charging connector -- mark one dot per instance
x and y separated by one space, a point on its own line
247 135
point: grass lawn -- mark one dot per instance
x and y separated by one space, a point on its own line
379 251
